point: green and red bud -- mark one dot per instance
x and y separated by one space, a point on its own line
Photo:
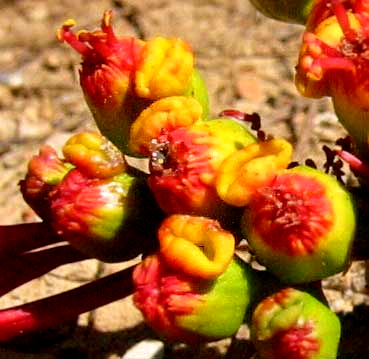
184 163
188 309
103 217
333 62
292 324
196 246
45 171
243 172
295 11
301 226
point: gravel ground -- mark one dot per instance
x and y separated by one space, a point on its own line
248 63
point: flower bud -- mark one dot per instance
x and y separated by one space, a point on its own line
183 308
45 171
243 172
333 62
301 226
292 324
295 11
103 217
184 162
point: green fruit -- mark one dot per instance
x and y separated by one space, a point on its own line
295 11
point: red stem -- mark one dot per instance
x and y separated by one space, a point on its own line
359 167
61 308
22 268
19 238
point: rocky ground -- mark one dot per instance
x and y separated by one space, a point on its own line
248 63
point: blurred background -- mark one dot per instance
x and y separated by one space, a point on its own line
248 63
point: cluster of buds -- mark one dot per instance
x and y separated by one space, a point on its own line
210 182
91 198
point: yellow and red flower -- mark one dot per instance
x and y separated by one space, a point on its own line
122 76
334 62
106 74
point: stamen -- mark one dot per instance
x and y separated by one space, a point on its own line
335 63
341 14
357 165
65 34
106 26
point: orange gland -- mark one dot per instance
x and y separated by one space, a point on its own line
245 171
164 61
94 155
168 113
197 246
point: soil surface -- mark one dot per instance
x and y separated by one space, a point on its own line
248 63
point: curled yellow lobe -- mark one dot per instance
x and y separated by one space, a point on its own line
197 246
248 169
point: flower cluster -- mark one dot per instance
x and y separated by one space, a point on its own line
210 183
215 182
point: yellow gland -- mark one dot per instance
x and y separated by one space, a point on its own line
94 155
197 246
246 170
165 68
167 113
